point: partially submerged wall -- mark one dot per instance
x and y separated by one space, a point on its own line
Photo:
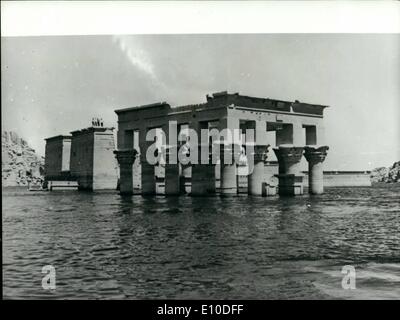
344 179
93 163
57 158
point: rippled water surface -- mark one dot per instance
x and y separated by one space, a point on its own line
103 245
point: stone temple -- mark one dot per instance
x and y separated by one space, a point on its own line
89 156
298 131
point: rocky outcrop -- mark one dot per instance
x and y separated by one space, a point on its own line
389 175
20 164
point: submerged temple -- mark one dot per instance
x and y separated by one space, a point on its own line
89 156
298 129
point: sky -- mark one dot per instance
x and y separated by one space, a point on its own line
56 84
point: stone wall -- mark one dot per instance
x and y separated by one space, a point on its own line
57 158
343 179
105 165
93 163
81 163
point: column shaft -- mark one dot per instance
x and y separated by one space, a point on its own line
203 177
315 178
172 179
148 177
185 177
290 178
228 156
256 178
126 159
171 173
137 180
228 179
315 158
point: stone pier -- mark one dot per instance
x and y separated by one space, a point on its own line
315 158
256 178
203 177
125 159
290 177
228 155
185 178
172 180
92 162
148 177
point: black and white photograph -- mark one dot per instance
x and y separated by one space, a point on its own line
199 165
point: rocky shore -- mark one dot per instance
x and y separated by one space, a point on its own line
20 163
388 175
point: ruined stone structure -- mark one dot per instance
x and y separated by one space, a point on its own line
57 157
86 156
92 161
298 128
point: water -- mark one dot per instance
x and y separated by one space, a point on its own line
106 246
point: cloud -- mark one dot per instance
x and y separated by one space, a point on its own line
137 56
351 73
174 68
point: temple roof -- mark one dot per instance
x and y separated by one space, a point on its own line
60 137
225 99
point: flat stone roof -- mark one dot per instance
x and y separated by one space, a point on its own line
91 129
145 106
59 137
221 99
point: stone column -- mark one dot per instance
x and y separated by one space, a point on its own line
185 177
148 174
126 159
171 173
185 174
315 158
203 177
290 178
137 180
228 155
256 178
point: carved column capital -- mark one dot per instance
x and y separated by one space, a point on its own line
315 155
288 155
126 156
260 152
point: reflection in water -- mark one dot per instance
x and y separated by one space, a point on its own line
107 246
